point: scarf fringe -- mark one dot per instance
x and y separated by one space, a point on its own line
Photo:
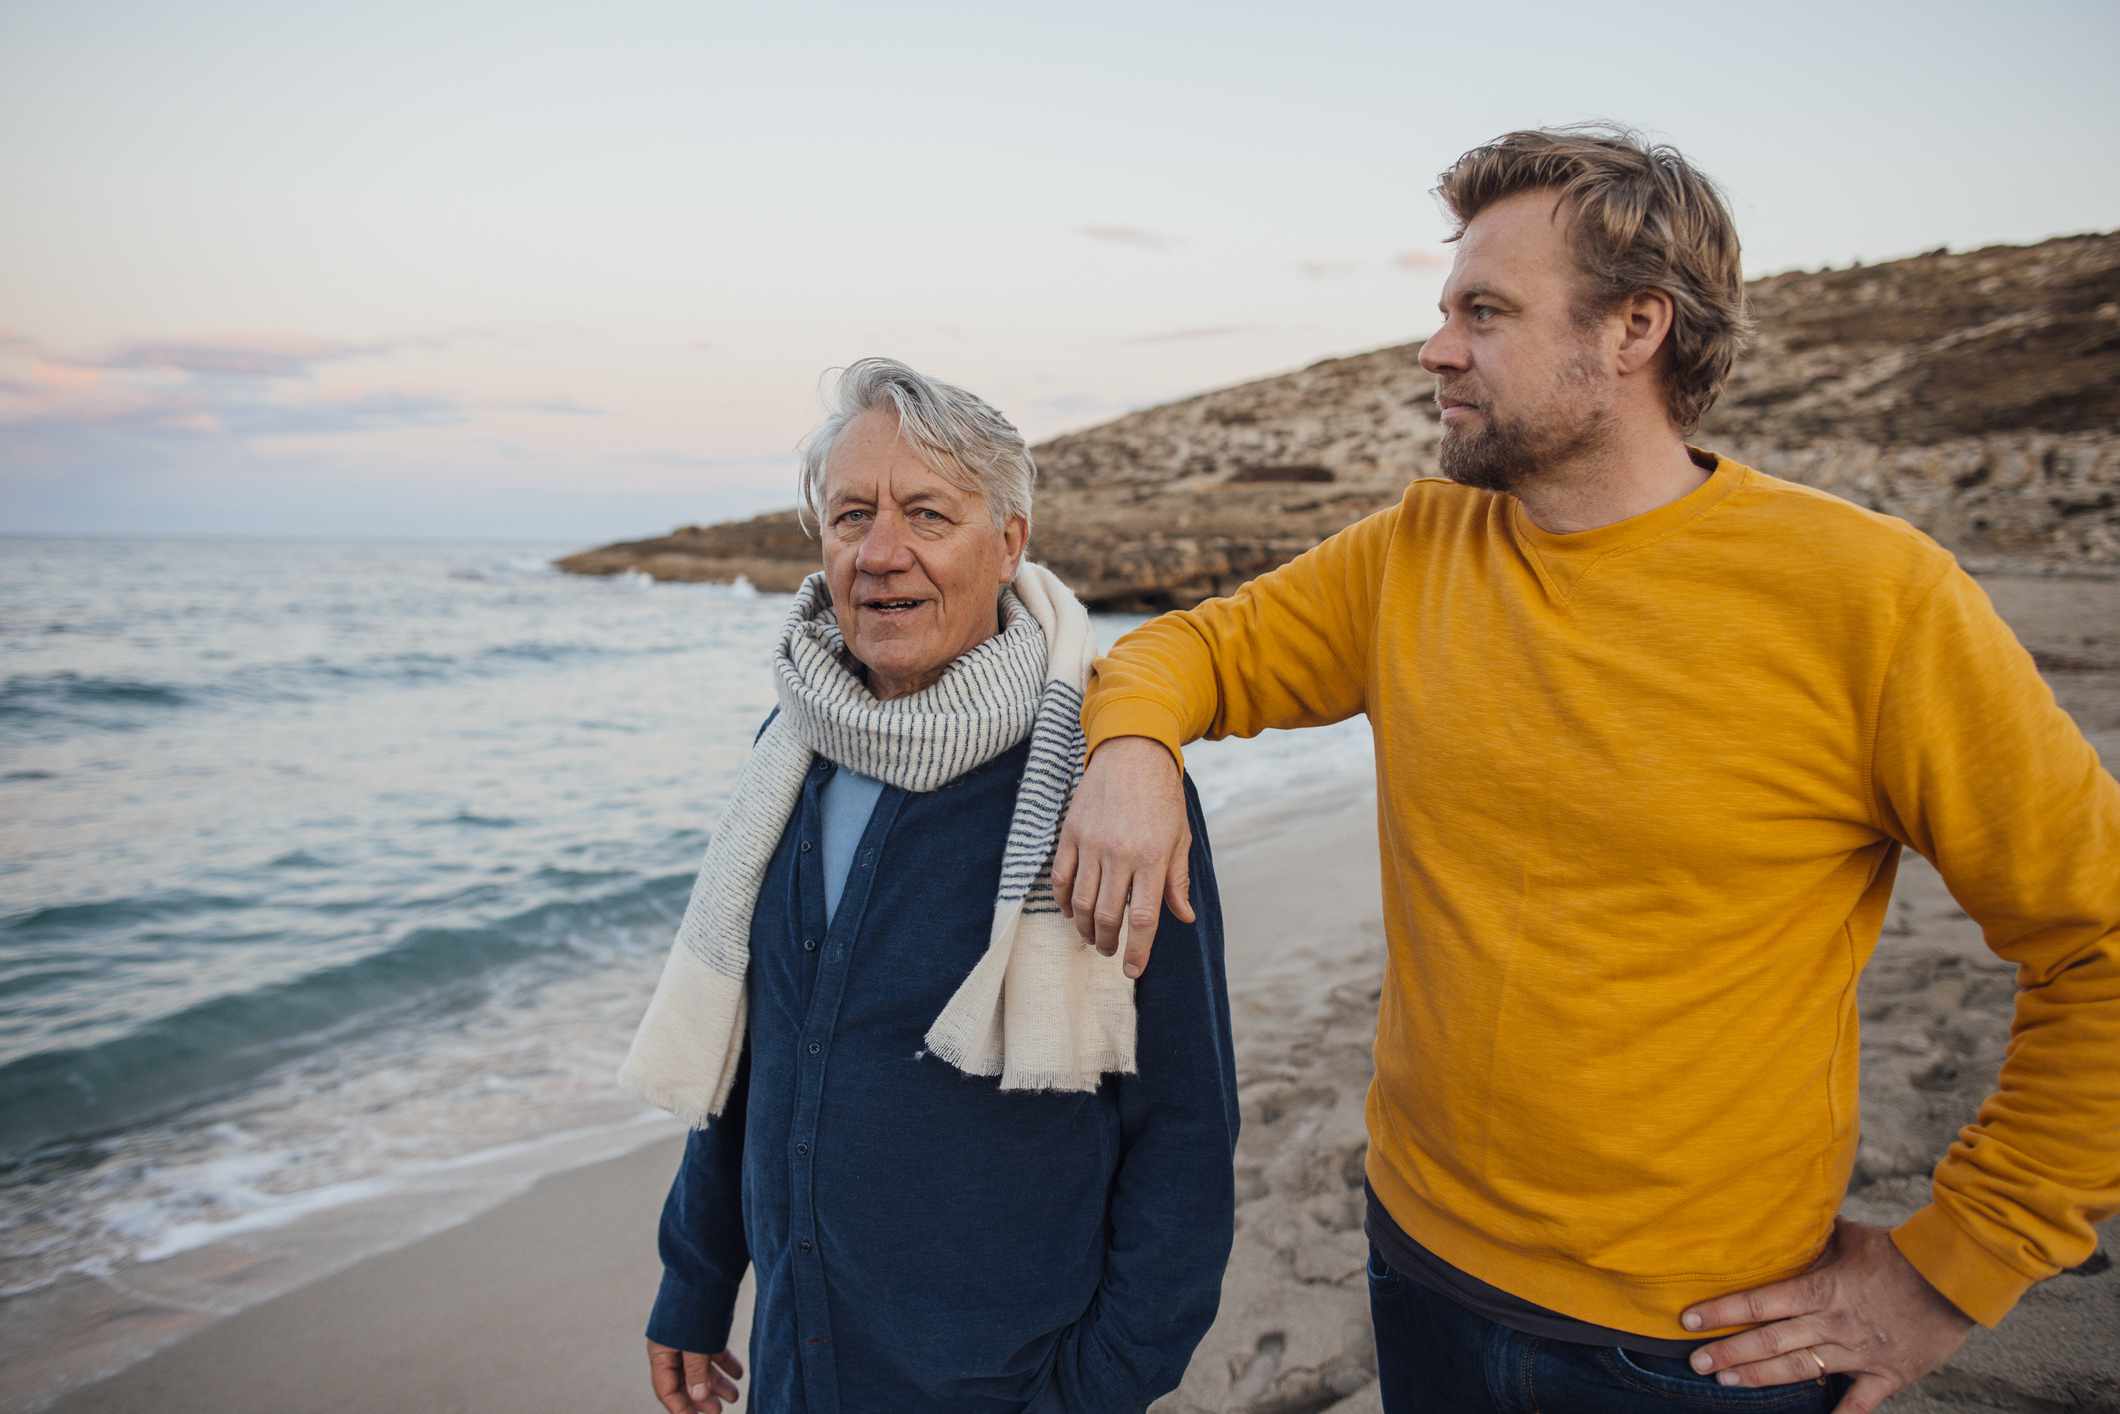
1042 1010
692 1002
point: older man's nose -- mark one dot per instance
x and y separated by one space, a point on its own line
885 548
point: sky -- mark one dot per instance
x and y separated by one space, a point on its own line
481 270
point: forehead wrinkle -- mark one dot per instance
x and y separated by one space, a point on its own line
901 457
915 470
1478 289
1486 290
839 470
940 487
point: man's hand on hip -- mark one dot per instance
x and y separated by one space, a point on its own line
1125 839
1861 1310
687 1382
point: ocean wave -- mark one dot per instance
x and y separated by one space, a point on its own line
465 817
215 1047
75 700
98 917
421 666
505 569
80 695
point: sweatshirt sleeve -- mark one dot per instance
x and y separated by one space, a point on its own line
701 1238
1979 769
1172 1215
1288 649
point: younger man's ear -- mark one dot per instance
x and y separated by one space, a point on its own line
1645 328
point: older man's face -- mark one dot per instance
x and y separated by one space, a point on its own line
915 564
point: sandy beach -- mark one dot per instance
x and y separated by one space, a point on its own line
535 1306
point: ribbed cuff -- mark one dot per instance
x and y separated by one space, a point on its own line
688 1317
1133 716
1969 1276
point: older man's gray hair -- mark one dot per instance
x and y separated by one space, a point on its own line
961 436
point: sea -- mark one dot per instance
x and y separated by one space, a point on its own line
334 878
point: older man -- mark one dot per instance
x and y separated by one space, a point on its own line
926 1126
1652 729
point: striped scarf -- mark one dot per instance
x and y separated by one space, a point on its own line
1040 1009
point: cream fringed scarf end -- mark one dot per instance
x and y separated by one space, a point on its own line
1040 1010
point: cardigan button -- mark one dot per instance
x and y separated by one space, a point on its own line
808 1245
802 1151
805 846
809 945
815 1048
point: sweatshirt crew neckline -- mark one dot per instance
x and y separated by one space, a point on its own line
1566 557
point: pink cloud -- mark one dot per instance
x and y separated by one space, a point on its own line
80 398
63 377
1420 260
51 391
244 355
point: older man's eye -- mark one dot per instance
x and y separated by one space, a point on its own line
1481 313
848 517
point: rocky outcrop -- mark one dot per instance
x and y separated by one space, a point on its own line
1976 394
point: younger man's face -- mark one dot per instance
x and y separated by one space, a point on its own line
1523 387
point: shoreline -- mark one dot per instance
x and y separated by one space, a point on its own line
390 1330
85 1328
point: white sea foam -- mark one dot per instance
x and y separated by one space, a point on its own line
500 1171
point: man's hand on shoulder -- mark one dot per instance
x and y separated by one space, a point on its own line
1126 838
1862 1310
687 1382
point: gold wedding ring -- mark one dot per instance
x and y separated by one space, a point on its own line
1820 1361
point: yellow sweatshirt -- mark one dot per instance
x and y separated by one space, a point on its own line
1641 794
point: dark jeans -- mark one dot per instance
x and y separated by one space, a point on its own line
1434 1355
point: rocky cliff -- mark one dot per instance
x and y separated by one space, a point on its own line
1975 394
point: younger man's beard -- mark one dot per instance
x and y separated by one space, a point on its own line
1499 457
1504 454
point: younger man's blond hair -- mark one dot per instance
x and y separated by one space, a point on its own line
1641 217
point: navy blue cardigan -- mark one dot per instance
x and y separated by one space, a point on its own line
924 1241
